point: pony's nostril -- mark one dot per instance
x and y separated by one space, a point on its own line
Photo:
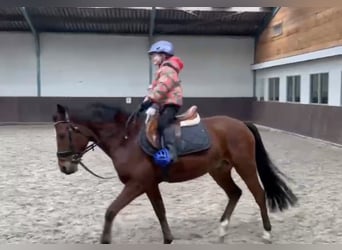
64 169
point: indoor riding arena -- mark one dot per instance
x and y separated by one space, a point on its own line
278 67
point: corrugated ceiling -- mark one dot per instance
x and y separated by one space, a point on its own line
135 21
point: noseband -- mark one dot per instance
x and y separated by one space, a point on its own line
76 156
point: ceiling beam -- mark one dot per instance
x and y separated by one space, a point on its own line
28 20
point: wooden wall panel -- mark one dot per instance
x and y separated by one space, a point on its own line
301 119
303 30
18 109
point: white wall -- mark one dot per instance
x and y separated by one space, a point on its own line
215 66
332 65
94 65
17 64
109 65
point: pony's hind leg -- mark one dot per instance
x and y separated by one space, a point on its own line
222 176
247 169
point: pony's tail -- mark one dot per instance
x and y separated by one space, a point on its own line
278 194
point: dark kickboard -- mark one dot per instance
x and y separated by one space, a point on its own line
193 139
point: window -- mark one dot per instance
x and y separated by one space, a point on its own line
319 85
293 88
277 29
273 89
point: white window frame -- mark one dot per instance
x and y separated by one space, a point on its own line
319 88
273 81
293 90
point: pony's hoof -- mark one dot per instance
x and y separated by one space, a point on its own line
105 240
267 237
221 239
168 241
223 230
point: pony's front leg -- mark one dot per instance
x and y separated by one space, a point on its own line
128 194
156 199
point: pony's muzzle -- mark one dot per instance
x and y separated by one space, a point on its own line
68 167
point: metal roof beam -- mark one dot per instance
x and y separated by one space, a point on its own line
28 20
37 46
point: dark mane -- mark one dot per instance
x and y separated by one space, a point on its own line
97 112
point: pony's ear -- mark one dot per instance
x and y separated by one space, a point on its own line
60 109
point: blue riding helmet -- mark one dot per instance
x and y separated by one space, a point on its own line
162 47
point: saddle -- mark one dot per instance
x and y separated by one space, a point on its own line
188 118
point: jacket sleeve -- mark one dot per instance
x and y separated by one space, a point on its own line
166 82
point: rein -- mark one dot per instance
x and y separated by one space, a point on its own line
133 116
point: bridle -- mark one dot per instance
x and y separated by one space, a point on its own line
76 156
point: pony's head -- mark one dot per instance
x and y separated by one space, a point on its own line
75 129
72 140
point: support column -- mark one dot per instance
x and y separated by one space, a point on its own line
37 46
150 38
